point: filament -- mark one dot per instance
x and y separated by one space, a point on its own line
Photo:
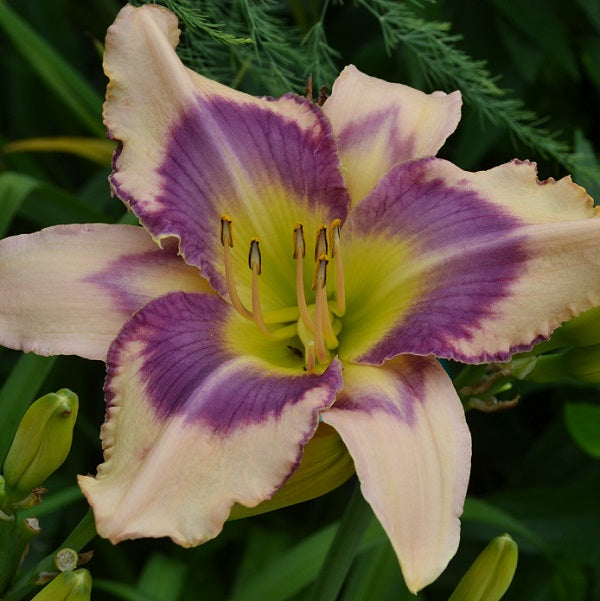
336 253
299 254
227 242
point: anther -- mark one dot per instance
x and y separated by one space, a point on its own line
299 244
254 262
254 257
336 253
334 236
227 242
321 245
320 278
299 253
226 233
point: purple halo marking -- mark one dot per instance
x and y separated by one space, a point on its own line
399 148
187 368
217 135
117 277
413 205
411 380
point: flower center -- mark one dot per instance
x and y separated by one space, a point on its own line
317 324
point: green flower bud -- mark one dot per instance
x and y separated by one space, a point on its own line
42 441
579 364
583 330
67 586
325 465
491 573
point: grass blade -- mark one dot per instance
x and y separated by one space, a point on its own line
17 393
71 87
343 549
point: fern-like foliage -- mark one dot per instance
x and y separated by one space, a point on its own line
251 41
256 44
447 66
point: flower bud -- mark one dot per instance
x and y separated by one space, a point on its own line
325 465
67 586
578 364
42 441
583 330
491 573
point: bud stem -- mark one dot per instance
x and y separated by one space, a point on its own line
83 533
15 535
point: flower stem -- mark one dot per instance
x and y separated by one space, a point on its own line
17 392
345 546
10 550
81 535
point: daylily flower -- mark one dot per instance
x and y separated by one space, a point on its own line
304 265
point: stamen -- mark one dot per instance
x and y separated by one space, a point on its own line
299 254
336 253
321 245
227 242
254 262
319 284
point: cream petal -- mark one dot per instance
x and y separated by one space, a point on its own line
192 427
467 266
378 124
69 289
405 428
192 150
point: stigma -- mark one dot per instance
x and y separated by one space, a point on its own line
315 321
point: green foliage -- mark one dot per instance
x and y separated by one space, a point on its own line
583 423
74 90
257 46
444 64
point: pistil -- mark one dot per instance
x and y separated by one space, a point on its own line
299 254
255 264
336 254
227 242
319 286
328 334
310 356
